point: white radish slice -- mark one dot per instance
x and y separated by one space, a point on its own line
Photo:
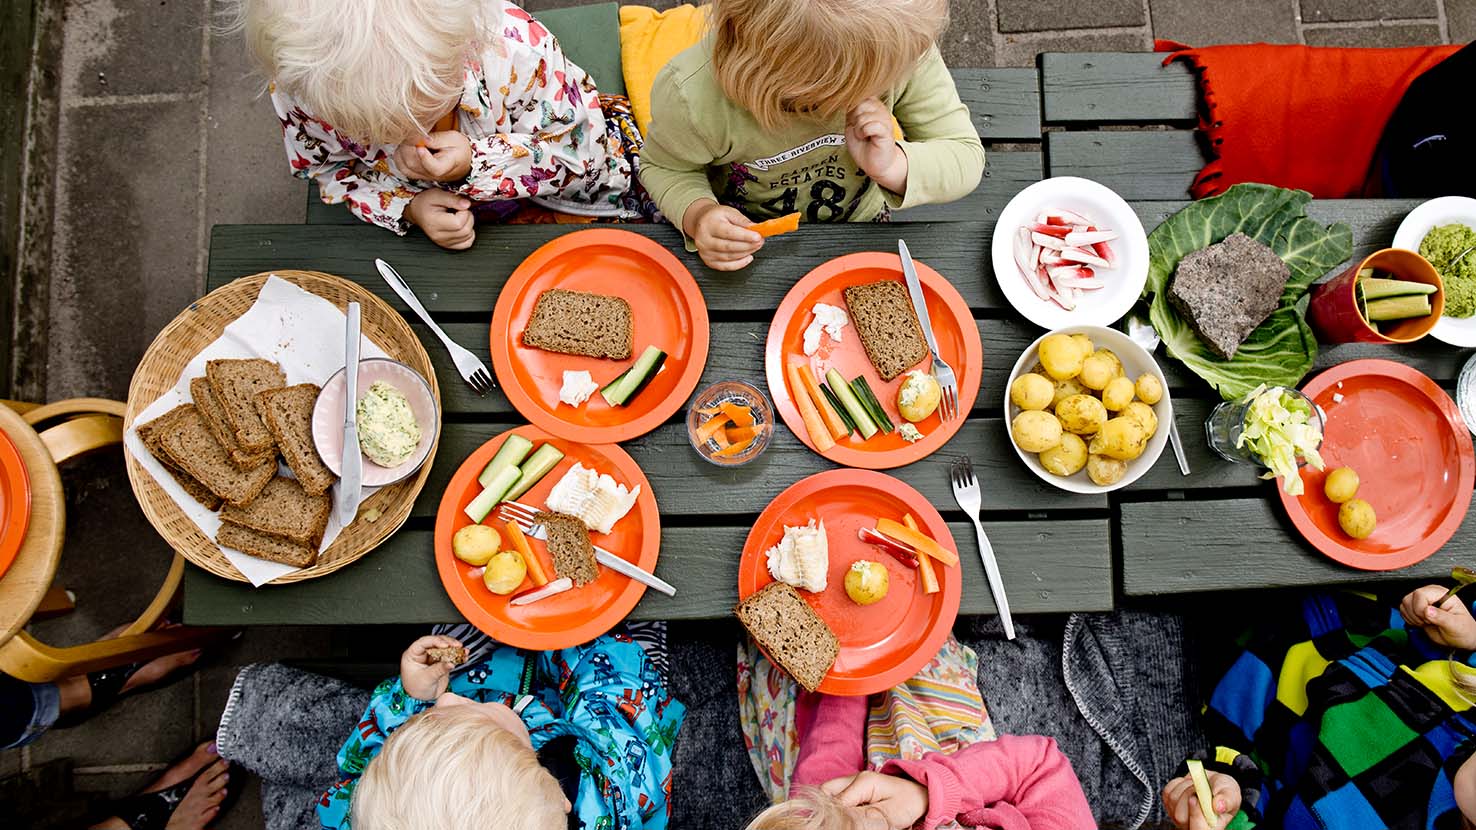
1047 241
1077 239
1060 216
558 586
1078 255
1024 251
1105 252
1050 230
1050 256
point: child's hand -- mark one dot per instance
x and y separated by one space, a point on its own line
442 157
1448 625
721 235
1182 805
869 141
422 678
901 801
445 217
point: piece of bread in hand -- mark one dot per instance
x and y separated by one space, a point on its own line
455 655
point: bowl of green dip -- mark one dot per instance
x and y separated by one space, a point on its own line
1443 231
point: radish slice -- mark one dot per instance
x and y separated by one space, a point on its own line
1047 241
558 586
1060 216
1024 251
1077 239
1105 252
1078 255
1050 230
1049 257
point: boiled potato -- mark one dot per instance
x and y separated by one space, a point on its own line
1032 391
1341 485
1061 356
1035 431
1105 471
1085 343
1149 388
918 396
1096 371
1357 519
866 581
505 572
1065 389
1118 394
1123 438
1143 414
1081 414
475 544
1066 458
1116 361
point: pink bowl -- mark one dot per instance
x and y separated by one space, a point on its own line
328 418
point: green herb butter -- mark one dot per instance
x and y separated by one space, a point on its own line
1444 247
388 431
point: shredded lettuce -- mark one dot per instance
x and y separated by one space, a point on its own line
1280 429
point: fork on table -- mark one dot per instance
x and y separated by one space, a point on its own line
526 518
468 365
966 492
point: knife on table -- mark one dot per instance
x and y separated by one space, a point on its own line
914 292
351 482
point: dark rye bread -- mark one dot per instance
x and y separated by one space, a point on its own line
264 546
455 655
887 326
569 545
149 433
1226 290
215 418
284 509
288 413
189 443
236 384
790 632
574 322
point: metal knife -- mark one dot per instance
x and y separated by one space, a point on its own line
914 293
351 482
617 565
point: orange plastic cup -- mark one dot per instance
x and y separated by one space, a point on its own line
1333 310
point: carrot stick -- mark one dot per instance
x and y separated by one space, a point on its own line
745 433
813 424
776 226
520 544
828 414
917 539
741 416
735 448
710 426
925 570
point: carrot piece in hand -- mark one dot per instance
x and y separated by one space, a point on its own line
828 414
776 226
917 539
520 544
925 570
819 434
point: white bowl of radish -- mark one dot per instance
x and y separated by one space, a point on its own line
1070 252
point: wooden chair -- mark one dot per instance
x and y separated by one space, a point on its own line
77 427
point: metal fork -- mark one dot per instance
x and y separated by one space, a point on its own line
525 515
966 493
942 372
470 367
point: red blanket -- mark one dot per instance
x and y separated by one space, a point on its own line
1297 116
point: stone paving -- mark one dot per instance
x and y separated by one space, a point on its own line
162 133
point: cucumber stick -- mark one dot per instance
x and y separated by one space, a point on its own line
629 383
1375 288
510 454
534 469
505 480
839 408
864 424
873 406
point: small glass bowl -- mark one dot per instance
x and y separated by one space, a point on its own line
743 394
1226 423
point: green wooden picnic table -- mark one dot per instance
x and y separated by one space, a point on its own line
1218 529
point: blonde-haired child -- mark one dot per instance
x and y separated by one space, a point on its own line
513 739
417 112
788 106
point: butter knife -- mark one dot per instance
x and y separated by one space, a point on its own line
351 482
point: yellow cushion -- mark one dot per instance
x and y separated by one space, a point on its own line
648 40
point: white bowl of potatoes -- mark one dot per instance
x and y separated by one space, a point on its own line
1087 409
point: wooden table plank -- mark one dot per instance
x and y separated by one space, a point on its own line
1006 172
1144 164
1115 87
1055 568
1179 547
1003 102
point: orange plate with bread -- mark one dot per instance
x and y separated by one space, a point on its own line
579 614
884 643
953 325
667 311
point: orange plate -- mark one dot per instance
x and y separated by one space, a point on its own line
1405 438
15 502
953 325
668 310
579 614
887 642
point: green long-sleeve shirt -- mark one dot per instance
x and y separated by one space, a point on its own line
701 145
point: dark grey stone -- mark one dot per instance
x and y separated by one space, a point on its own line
1054 15
131 48
1231 21
1404 34
141 729
1021 50
969 39
1339 11
1460 20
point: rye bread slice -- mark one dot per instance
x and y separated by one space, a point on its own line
1228 289
264 545
189 442
284 509
215 418
288 413
236 384
790 632
576 322
569 545
149 433
455 655
887 326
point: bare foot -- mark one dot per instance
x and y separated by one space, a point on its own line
201 803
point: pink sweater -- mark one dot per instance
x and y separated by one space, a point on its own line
1019 782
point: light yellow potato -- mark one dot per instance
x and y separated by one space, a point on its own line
1066 458
1112 356
1123 439
866 581
1118 394
1341 485
475 544
1096 371
1143 414
1035 431
1081 414
1149 388
505 572
1357 519
1061 356
1105 471
918 396
1085 343
1032 391
1065 389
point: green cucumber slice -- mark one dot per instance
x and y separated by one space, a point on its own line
503 481
510 454
630 382
534 469
873 406
864 424
840 408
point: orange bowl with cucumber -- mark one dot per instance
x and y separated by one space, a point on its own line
1392 296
